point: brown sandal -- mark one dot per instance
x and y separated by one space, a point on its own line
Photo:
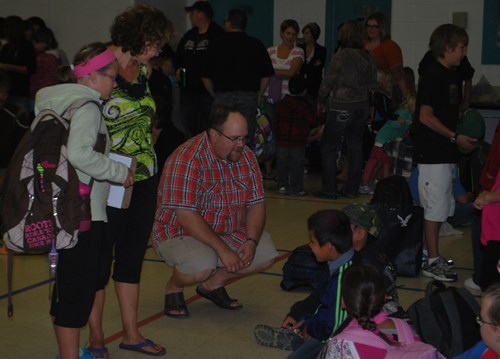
219 297
175 305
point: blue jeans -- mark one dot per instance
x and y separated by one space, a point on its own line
290 168
463 214
308 349
351 124
246 101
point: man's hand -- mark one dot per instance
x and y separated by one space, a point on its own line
247 252
231 260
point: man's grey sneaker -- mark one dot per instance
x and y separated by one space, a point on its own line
439 270
273 337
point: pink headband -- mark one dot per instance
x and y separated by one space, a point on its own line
95 63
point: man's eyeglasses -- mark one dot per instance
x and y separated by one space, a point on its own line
373 26
108 75
242 139
481 322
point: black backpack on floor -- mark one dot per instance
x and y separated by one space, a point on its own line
401 225
446 318
303 270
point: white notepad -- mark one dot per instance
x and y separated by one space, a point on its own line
119 196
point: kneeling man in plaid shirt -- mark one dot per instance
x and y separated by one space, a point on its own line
211 213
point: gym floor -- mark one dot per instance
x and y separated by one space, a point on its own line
210 332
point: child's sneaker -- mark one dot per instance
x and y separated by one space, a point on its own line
297 194
273 337
439 270
469 283
281 190
365 189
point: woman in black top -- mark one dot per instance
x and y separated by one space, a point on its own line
314 62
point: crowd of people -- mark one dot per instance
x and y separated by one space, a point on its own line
198 189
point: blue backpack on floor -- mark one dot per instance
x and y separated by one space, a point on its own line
303 270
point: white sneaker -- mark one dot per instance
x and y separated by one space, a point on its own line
281 190
365 189
469 283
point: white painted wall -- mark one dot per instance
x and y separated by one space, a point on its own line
303 12
76 23
414 20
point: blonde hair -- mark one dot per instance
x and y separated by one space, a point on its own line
409 103
384 80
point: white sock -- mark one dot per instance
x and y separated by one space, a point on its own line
432 260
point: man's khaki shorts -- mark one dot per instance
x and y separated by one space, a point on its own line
188 255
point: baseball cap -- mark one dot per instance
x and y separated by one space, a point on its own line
364 216
202 6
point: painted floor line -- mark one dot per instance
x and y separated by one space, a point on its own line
190 300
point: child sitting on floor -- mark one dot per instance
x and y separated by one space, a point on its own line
314 319
370 334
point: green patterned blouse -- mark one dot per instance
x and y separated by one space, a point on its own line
128 115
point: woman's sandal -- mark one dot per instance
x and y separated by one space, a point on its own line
175 305
219 297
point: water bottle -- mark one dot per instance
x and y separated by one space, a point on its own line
86 220
183 78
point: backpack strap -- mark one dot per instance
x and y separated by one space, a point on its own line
430 287
358 335
405 334
469 299
10 271
454 318
66 115
47 112
71 109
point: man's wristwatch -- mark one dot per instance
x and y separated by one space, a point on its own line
252 240
453 138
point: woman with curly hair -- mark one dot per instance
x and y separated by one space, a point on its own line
137 35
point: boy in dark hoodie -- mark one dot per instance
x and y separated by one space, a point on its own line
314 319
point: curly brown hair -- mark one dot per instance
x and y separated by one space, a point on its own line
139 26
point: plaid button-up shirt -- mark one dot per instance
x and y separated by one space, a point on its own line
196 179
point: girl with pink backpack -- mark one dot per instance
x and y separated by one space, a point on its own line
371 334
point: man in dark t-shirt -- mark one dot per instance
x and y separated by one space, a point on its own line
436 140
195 102
464 74
237 69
